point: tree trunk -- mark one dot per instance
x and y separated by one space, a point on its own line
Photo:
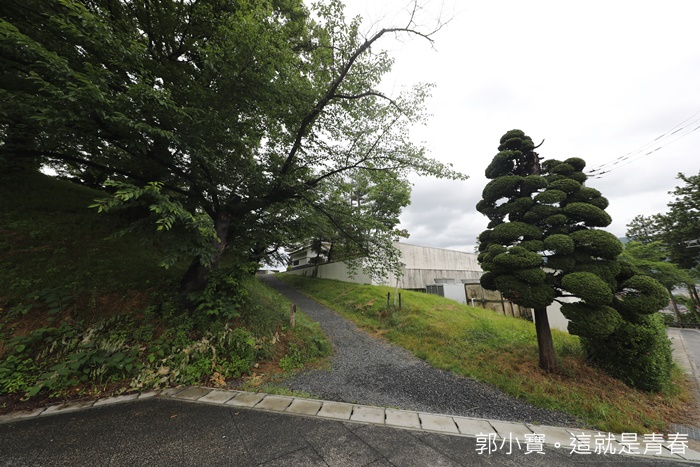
197 275
694 294
696 301
675 307
544 341
330 253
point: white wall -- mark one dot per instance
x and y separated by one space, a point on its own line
422 265
336 271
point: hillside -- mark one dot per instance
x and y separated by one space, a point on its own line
85 313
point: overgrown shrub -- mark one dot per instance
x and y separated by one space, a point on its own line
54 359
240 322
639 354
219 355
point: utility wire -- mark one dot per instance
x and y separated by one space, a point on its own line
687 126
673 130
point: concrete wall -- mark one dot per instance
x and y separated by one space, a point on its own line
336 271
422 265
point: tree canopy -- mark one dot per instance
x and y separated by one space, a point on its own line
544 244
237 120
675 232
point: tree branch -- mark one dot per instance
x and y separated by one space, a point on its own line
365 158
90 163
366 94
331 92
340 228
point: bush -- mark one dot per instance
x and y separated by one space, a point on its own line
55 359
639 354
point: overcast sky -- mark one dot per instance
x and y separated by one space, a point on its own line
596 79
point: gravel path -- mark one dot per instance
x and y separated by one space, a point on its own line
366 370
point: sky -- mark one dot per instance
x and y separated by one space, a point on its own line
599 80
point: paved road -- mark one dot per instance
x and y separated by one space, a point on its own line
691 340
168 432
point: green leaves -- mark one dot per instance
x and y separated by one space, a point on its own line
674 228
588 214
543 243
589 287
559 244
514 232
641 295
592 322
166 214
597 243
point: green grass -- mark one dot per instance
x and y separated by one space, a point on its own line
50 239
502 351
82 314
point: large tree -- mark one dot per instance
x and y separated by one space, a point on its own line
360 213
677 230
236 120
544 244
652 259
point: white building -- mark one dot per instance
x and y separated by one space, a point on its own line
421 265
306 257
425 268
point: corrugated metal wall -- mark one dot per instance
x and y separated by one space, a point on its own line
422 265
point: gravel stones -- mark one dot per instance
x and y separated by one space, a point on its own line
366 370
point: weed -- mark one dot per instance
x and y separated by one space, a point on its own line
80 312
293 360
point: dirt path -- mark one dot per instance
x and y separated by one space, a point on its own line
367 370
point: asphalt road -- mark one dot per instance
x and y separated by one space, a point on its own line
168 432
691 339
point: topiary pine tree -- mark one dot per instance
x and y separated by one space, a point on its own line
543 244
509 249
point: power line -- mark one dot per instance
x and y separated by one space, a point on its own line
660 142
673 130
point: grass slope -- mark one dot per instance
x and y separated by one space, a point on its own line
502 351
82 315
50 239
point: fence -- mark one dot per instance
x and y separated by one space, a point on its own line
493 300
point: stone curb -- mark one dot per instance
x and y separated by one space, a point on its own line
488 432
483 429
75 406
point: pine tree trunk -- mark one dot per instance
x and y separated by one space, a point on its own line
330 253
544 341
696 301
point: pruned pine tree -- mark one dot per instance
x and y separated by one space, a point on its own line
515 201
544 244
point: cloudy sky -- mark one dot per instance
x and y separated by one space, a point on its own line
600 80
